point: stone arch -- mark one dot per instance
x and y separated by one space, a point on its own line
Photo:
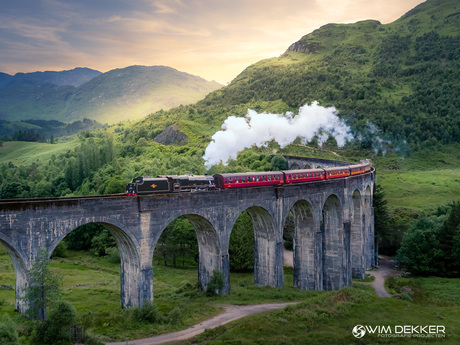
208 247
305 244
294 166
135 279
332 229
307 166
267 252
20 272
358 261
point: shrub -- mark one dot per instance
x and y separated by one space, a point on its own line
8 332
60 251
94 339
55 330
113 255
405 296
148 312
175 316
216 283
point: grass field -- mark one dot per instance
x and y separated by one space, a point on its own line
421 190
25 153
92 285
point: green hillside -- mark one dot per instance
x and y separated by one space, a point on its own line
122 94
402 77
25 153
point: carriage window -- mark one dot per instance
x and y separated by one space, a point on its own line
264 178
226 180
269 178
230 179
243 179
257 178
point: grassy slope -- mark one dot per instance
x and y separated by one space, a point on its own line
330 321
423 181
321 318
25 153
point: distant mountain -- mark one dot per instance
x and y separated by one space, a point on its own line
5 79
74 77
122 94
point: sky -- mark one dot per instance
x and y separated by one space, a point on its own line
214 39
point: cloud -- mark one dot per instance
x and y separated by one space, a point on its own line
214 39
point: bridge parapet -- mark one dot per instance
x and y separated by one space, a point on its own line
295 163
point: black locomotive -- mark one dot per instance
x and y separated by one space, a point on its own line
170 184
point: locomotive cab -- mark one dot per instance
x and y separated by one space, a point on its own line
131 189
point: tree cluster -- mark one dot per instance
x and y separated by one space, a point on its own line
43 130
431 246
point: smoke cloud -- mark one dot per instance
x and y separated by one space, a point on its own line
257 129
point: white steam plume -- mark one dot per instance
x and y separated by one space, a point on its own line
239 133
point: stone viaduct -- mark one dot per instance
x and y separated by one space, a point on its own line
333 238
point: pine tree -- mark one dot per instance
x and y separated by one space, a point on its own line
448 237
381 220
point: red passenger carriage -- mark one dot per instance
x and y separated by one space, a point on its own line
270 178
304 175
338 172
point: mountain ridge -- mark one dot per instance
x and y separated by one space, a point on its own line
128 93
74 77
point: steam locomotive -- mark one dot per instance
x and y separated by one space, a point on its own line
192 183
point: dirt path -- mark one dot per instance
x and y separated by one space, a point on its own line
230 313
233 312
386 269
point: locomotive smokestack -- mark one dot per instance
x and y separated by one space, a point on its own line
256 129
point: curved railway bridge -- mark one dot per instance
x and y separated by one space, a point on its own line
333 238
